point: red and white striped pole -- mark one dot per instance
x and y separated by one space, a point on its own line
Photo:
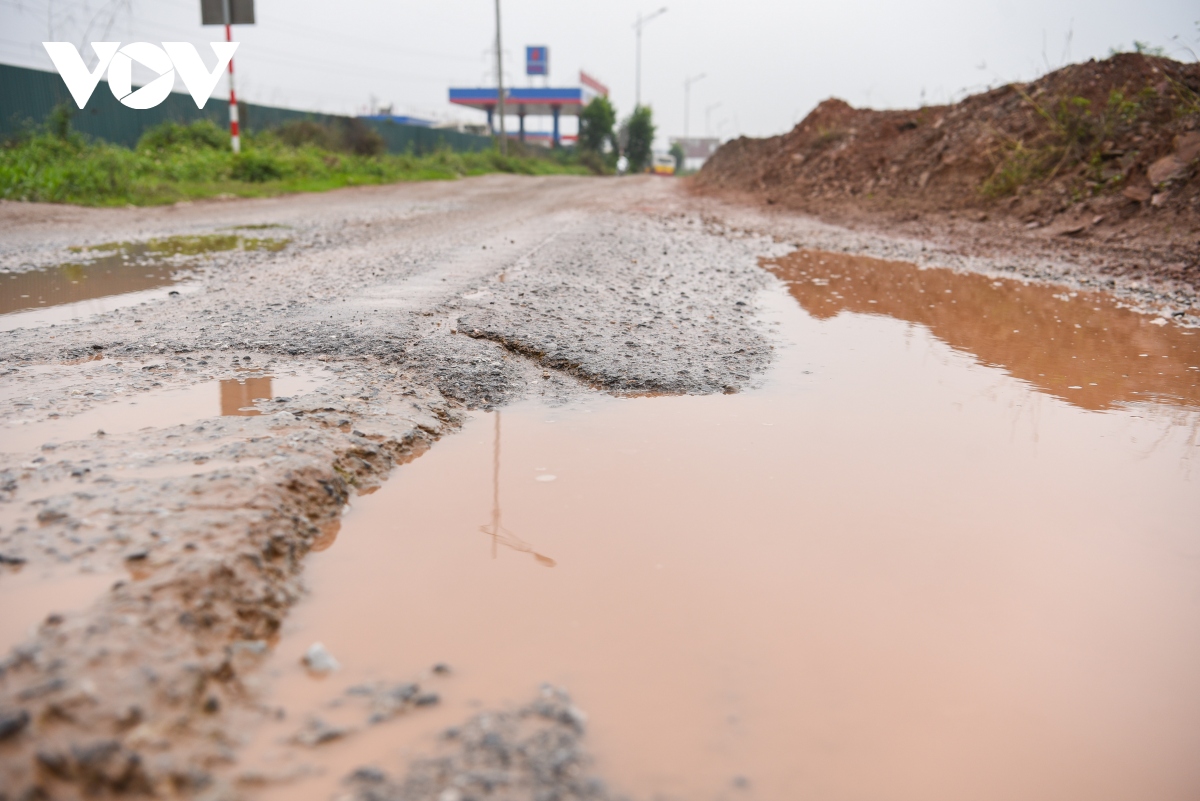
234 138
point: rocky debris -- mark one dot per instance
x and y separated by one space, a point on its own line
318 660
389 700
12 723
535 752
102 766
317 732
160 662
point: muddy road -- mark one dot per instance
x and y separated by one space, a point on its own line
342 494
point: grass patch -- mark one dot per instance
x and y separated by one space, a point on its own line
174 162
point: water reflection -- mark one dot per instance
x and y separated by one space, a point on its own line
499 534
159 409
1080 347
118 268
238 395
72 283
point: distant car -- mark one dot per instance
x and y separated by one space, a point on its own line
663 165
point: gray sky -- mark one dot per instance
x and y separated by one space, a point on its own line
767 62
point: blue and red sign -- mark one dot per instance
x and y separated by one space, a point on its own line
537 60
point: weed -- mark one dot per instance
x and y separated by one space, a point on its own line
828 136
1074 140
1018 166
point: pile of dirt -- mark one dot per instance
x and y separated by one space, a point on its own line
1113 143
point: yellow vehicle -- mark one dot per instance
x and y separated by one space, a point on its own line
663 165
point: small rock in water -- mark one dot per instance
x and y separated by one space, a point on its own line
368 775
318 659
11 723
442 669
317 731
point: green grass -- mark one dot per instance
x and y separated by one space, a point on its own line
173 163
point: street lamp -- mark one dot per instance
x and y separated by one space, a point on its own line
708 115
641 23
687 93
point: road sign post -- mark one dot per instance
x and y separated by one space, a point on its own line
229 13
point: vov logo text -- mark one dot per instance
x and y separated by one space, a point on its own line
171 58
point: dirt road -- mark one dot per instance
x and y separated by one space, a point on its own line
152 549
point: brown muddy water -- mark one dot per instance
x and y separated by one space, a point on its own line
950 549
111 276
162 408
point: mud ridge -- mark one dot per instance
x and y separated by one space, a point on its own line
146 691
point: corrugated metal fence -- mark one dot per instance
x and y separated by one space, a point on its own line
28 96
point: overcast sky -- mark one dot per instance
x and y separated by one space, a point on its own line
767 62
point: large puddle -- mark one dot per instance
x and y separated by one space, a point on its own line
925 561
241 396
111 276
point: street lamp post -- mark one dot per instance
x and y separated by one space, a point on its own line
708 115
500 84
641 23
687 95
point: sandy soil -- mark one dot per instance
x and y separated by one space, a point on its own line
402 306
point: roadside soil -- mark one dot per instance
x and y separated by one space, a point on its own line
402 307
1093 165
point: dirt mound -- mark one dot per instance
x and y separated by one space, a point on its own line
1117 139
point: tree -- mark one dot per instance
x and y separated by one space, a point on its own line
679 156
596 125
638 138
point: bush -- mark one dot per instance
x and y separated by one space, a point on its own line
360 138
306 132
594 161
48 168
175 162
200 135
256 166
348 136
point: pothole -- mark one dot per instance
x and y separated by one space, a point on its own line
890 558
111 276
245 395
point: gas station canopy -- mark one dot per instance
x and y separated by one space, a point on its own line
544 102
538 102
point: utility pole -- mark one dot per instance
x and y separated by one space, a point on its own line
687 95
641 23
500 84
708 115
